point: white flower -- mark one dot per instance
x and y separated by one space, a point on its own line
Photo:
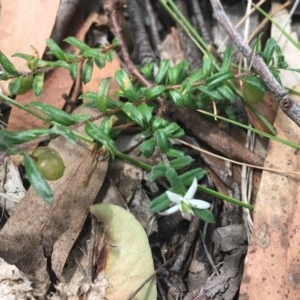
185 203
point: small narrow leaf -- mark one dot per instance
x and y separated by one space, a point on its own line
77 43
96 133
160 203
37 180
20 85
54 113
204 214
102 94
56 50
87 71
162 140
218 79
162 71
154 91
38 83
175 181
7 66
147 147
227 58
133 113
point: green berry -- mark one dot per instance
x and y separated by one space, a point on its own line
49 163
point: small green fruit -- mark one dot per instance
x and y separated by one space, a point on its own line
49 163
253 89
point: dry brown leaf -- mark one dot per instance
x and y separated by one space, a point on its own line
25 23
37 233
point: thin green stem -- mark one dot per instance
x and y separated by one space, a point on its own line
262 133
21 106
177 15
225 197
134 161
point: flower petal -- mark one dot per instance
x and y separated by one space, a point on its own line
170 210
187 216
200 204
175 198
191 191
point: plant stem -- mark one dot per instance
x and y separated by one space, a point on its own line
285 101
134 161
225 197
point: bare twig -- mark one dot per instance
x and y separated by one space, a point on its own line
285 101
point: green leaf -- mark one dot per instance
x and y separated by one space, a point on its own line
108 56
133 113
226 92
123 80
38 83
162 71
176 97
162 141
181 162
205 214
20 85
56 50
159 203
218 79
281 63
207 65
97 134
154 92
101 99
173 130
175 153
159 123
91 53
147 147
146 111
100 60
18 137
175 182
157 171
195 76
178 73
147 70
37 180
269 50
227 58
64 131
87 71
58 115
254 89
6 64
188 176
77 43
73 68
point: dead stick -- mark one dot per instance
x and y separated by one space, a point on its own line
285 101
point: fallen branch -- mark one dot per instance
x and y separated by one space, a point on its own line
285 101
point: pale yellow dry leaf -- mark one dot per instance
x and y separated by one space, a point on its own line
129 259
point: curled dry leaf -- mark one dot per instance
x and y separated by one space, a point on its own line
129 259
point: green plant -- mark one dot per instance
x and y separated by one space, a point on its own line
139 106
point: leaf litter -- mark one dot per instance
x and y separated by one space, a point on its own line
38 239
